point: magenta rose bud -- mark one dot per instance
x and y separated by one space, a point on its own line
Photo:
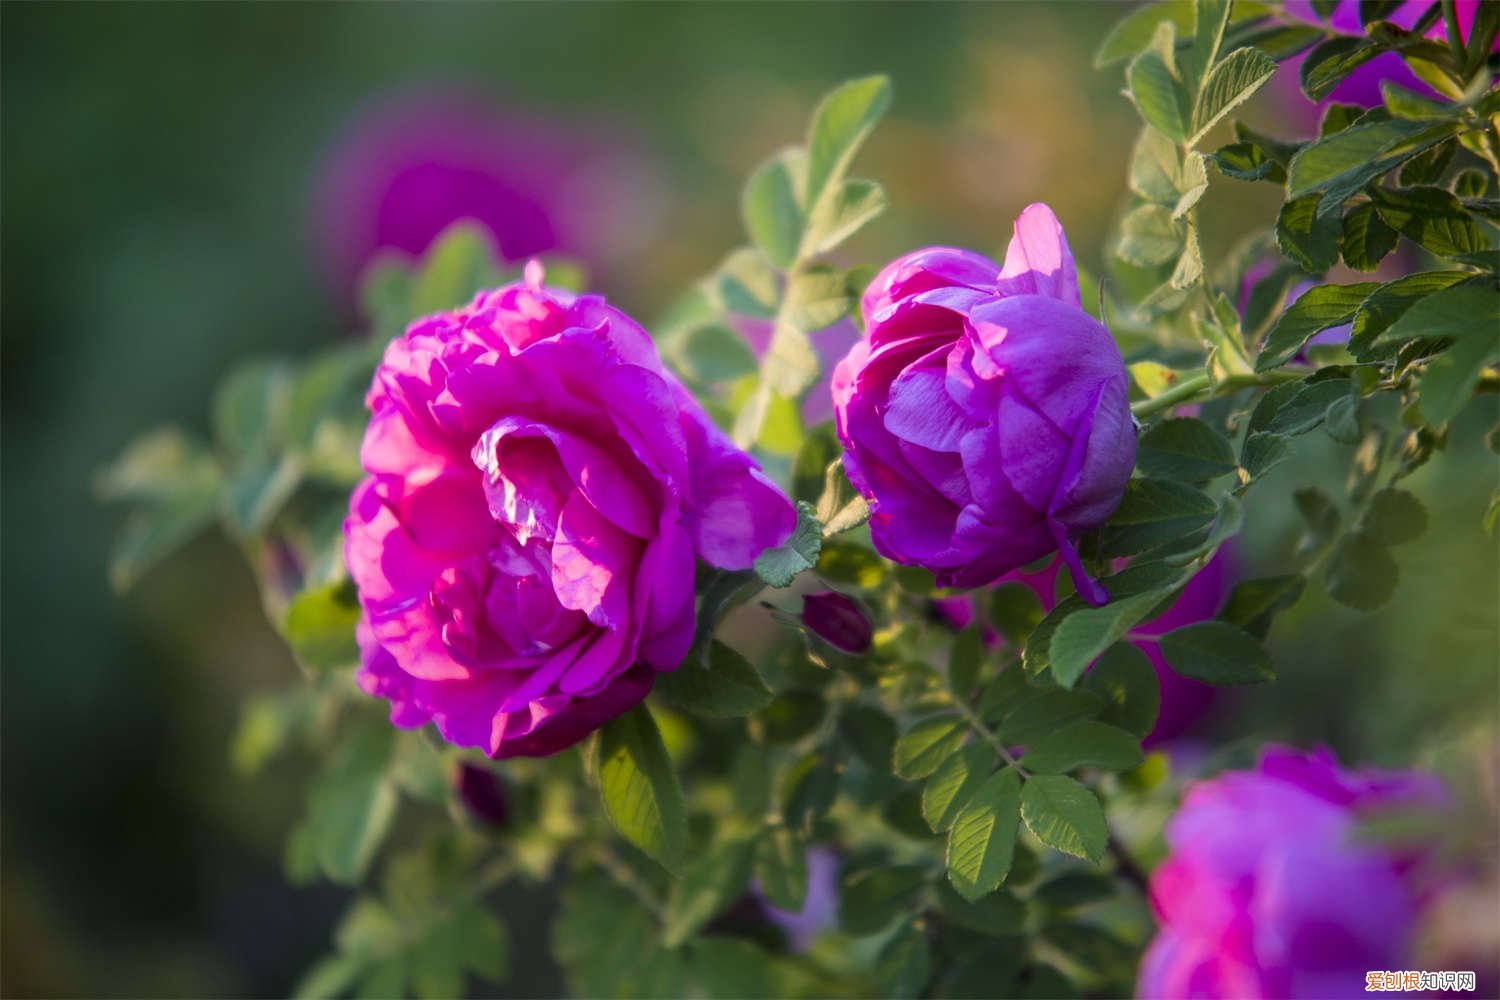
985 415
540 490
837 620
481 793
1269 891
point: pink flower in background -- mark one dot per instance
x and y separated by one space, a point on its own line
1183 700
540 490
407 168
985 414
1361 87
1269 892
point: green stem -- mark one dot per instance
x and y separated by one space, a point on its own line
1200 386
977 724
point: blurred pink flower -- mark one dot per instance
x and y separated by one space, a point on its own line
1361 87
409 166
1269 892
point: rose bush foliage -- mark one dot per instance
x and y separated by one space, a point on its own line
552 536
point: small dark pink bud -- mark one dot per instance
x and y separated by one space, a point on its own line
482 795
838 620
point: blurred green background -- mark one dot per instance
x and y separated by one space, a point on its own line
158 167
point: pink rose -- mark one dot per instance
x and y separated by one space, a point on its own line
1268 890
985 416
540 491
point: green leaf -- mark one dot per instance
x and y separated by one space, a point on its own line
905 963
1321 515
779 566
639 787
1463 312
809 790
1133 580
603 936
1085 743
1254 603
319 626
983 837
817 296
1217 653
1157 88
1245 161
1318 309
177 483
840 508
842 214
459 263
1263 452
728 968
331 977
1428 167
997 914
841 124
1341 164
1135 32
352 803
1361 572
871 899
728 687
1337 117
1308 237
1125 679
927 744
1154 511
1072 889
772 206
1390 302
1185 449
1341 420
1029 719
1229 84
707 888
746 284
1084 635
1156 168
780 867
954 783
1329 63
713 353
871 734
1149 235
1305 406
1210 19
1014 610
1394 517
1367 239
1432 218
1064 815
964 659
787 718
1451 376
1194 185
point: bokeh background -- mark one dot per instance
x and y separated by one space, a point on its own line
172 203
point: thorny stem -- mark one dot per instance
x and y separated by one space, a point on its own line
977 724
1201 386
